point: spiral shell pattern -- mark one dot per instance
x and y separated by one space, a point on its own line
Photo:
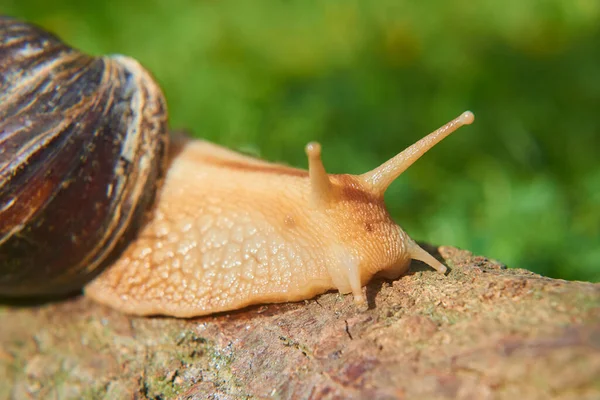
83 144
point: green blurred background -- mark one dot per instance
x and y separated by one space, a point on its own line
368 78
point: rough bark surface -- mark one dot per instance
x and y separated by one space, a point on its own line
480 332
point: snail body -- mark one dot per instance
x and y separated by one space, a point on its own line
226 230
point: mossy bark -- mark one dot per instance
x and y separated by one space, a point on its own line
480 332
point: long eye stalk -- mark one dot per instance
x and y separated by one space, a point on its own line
379 179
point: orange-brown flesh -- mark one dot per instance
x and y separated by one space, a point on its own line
229 231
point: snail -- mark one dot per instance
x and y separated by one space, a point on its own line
95 194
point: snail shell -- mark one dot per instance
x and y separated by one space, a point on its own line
82 150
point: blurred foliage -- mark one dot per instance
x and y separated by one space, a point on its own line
367 78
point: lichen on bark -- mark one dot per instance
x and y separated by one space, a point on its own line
482 331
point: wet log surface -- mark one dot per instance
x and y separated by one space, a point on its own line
480 332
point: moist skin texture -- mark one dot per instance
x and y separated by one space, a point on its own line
228 231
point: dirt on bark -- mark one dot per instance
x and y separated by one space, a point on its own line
481 332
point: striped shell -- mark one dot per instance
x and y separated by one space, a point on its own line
82 150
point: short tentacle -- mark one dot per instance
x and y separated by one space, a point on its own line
418 253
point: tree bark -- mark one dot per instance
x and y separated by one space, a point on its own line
482 331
